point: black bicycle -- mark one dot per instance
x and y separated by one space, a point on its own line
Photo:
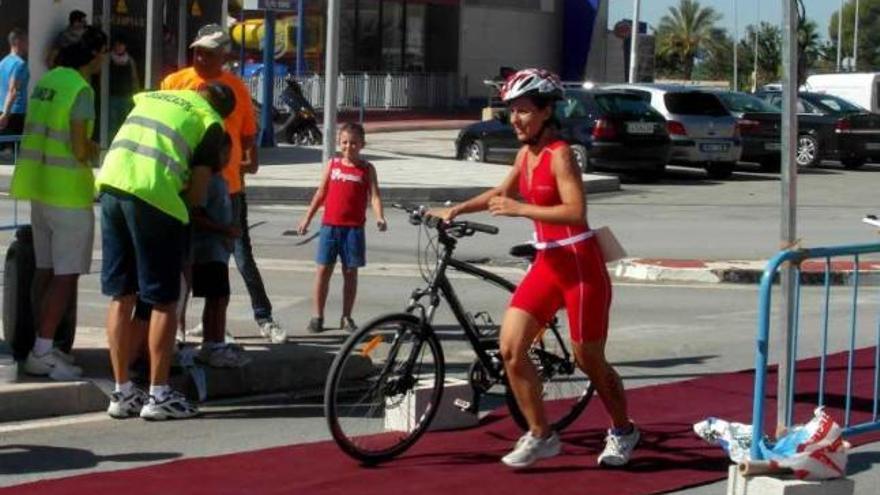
386 383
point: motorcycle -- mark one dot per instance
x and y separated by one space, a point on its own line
301 126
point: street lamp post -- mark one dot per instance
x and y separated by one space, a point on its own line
735 41
634 43
855 64
839 34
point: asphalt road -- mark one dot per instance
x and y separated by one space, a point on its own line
660 332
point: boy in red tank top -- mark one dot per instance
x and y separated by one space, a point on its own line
348 183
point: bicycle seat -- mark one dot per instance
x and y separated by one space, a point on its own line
525 251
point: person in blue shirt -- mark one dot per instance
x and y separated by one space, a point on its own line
14 78
214 233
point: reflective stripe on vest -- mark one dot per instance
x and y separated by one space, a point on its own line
46 169
151 154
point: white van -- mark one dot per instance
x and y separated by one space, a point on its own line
861 88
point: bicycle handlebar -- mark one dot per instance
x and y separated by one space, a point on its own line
418 214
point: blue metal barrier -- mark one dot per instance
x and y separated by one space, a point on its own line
796 257
15 140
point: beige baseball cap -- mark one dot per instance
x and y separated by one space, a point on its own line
212 37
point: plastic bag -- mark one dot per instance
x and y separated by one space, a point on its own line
814 451
734 438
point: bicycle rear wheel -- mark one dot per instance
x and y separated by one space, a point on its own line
566 389
384 388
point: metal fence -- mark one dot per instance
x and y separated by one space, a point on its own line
372 91
853 283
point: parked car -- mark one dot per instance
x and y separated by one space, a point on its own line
832 128
704 134
606 129
759 130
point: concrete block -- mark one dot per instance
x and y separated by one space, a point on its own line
402 416
737 484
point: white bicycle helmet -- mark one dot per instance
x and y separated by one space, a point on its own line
532 82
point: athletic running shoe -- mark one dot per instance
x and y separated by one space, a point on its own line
316 325
271 330
67 358
619 448
529 449
127 405
223 356
52 365
348 324
174 406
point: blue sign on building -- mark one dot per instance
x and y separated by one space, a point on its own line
277 4
580 18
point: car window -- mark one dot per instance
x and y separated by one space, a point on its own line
832 104
741 102
572 107
694 103
628 106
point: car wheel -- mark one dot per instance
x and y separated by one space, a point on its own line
475 151
720 170
853 163
770 164
581 158
807 151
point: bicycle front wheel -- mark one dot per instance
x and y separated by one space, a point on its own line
384 388
566 390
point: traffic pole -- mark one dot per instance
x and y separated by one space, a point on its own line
634 43
267 133
788 205
331 73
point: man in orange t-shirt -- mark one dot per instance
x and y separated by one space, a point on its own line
209 53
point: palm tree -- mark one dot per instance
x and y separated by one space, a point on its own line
683 31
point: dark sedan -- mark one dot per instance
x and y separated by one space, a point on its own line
829 128
606 129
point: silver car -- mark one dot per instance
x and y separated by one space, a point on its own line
704 134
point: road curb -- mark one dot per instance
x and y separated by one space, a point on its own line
740 272
288 368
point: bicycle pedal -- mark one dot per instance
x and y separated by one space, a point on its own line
465 406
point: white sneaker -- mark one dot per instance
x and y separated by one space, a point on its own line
271 330
67 358
174 406
52 365
127 405
224 356
529 449
619 448
196 331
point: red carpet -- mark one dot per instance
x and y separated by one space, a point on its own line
670 456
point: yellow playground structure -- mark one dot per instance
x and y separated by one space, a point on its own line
251 33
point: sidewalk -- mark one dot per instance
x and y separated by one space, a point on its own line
300 369
290 174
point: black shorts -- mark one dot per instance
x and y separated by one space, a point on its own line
210 279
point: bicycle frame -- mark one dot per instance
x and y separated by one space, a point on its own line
440 286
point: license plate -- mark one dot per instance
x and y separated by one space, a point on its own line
640 127
872 146
772 146
714 147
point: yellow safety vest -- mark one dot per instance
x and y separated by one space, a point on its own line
46 169
150 155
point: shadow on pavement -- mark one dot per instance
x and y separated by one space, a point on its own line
22 459
265 411
666 363
859 462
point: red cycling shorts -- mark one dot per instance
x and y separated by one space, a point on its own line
573 276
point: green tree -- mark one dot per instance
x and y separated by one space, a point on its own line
769 55
715 59
683 31
869 33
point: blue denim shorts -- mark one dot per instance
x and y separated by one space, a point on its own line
143 249
346 243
